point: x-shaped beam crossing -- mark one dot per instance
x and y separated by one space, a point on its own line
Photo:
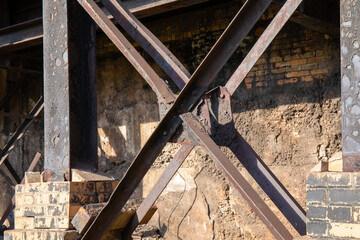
181 109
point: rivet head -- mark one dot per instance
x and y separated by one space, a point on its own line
165 133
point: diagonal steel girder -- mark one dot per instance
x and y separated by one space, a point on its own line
189 96
149 42
246 155
133 56
249 194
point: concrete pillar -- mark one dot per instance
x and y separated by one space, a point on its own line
350 83
69 89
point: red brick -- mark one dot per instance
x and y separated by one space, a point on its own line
297 62
316 59
309 66
291 57
248 80
293 68
280 82
297 74
278 70
307 55
251 74
319 71
261 60
260 84
263 66
262 72
291 80
276 59
307 79
282 64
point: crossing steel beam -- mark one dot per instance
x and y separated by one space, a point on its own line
190 94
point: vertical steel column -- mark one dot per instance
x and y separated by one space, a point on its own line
69 89
350 86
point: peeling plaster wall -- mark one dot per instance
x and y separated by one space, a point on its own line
288 109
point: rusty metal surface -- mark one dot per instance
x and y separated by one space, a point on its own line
262 43
155 48
12 203
82 89
138 62
271 185
200 80
216 116
157 189
30 33
249 194
350 88
16 136
69 88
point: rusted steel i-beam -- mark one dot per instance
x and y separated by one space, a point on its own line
271 185
69 89
149 42
198 83
261 45
139 63
249 194
157 189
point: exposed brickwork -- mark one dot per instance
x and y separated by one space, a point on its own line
333 205
293 57
53 205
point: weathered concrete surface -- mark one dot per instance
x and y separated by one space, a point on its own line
288 109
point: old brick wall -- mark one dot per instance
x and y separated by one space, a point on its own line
288 109
333 205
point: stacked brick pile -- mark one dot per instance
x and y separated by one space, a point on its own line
45 210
